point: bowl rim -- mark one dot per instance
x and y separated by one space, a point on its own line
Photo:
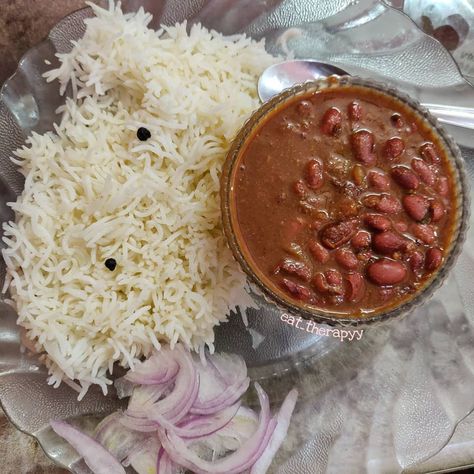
462 209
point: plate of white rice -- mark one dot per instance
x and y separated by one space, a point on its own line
116 246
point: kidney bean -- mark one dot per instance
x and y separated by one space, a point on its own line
434 257
320 283
329 282
416 260
424 232
297 290
423 171
362 143
436 210
377 222
314 174
388 204
333 277
401 226
379 181
384 203
300 188
304 108
319 253
331 121
389 242
355 111
337 234
361 240
429 153
416 206
336 289
293 267
346 259
397 121
393 148
356 287
442 186
386 272
405 177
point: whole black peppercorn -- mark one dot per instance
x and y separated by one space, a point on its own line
143 134
110 263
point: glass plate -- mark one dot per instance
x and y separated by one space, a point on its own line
384 403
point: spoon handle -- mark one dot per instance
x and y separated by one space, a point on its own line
453 115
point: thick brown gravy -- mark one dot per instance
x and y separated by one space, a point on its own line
342 200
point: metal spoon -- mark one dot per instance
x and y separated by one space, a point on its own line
286 74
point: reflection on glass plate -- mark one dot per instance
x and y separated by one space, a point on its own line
381 404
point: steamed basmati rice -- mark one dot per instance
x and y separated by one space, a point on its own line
94 191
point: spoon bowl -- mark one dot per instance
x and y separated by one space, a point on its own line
284 75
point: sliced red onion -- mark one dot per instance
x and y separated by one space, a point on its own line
139 424
144 397
223 380
99 460
182 408
279 434
197 427
222 372
230 367
106 424
119 440
161 367
226 398
161 451
233 435
164 464
211 384
144 459
177 404
234 463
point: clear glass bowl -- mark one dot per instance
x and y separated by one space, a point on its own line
460 205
